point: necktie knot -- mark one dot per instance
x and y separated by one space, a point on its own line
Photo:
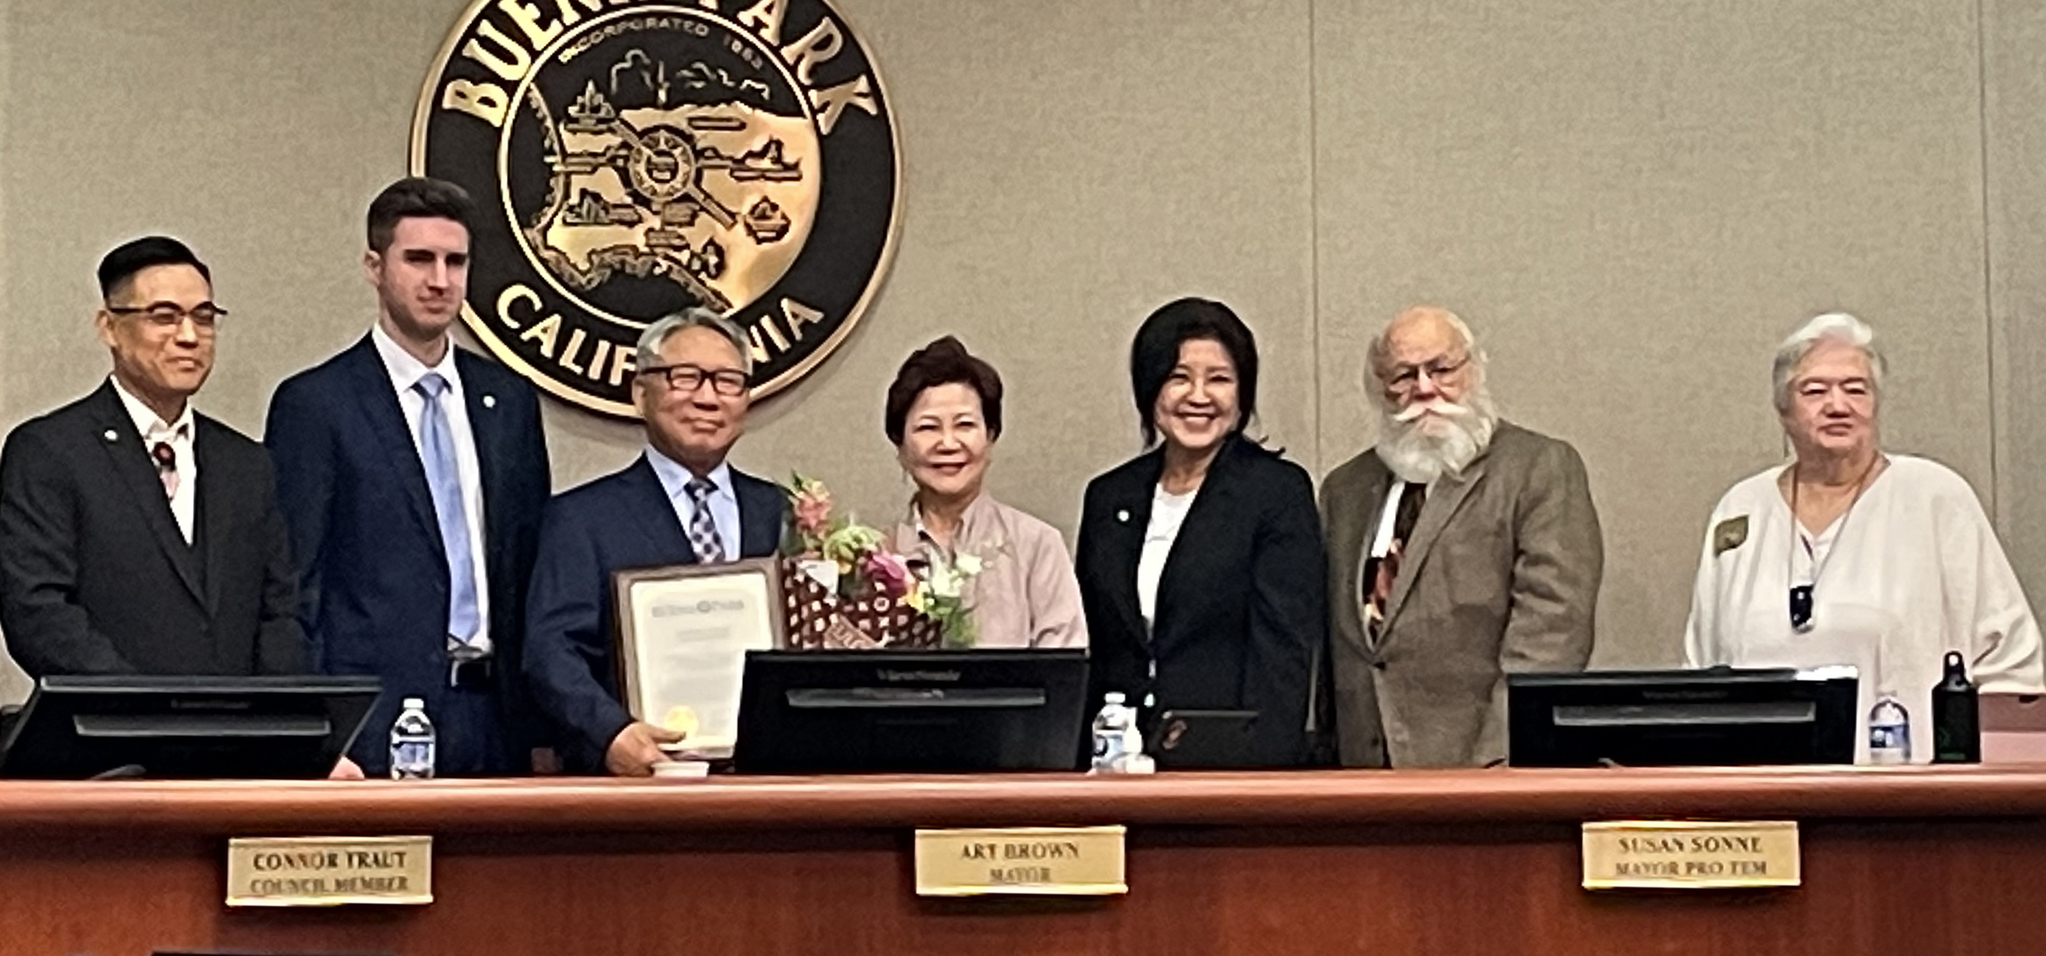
166 456
700 489
430 385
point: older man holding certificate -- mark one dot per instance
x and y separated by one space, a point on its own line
679 504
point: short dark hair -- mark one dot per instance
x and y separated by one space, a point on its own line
417 197
1156 351
943 362
136 255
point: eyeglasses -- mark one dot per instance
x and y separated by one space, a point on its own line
729 382
1405 377
205 316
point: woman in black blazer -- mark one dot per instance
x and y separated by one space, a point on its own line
1200 561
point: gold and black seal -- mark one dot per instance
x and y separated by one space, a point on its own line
630 159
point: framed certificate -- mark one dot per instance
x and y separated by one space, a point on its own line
683 634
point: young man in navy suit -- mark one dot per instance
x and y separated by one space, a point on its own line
413 475
680 503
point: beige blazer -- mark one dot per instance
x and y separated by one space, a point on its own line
1501 575
1025 594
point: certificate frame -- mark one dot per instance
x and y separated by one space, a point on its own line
640 595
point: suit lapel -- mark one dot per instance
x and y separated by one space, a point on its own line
1212 502
212 512
1445 496
387 423
1350 548
486 429
123 445
760 514
1128 521
662 529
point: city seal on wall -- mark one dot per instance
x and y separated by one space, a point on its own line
631 158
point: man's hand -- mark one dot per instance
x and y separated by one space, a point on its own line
635 750
345 769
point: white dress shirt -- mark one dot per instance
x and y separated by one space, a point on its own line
724 504
406 371
179 434
1168 514
1388 520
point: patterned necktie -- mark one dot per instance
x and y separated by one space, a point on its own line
437 453
703 532
1380 574
166 467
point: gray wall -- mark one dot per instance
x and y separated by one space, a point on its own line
2014 132
1631 201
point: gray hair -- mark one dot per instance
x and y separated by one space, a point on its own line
1374 353
695 317
1835 326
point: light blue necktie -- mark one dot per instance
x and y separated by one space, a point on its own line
437 453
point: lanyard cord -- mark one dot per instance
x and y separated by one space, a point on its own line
1797 527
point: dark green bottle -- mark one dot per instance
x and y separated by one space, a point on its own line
1956 719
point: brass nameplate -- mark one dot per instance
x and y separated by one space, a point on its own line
329 871
1023 861
1684 855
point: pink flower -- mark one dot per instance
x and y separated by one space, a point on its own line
812 505
888 572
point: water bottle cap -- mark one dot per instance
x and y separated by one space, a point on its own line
415 703
1112 697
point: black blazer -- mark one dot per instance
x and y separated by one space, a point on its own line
1242 602
95 577
373 576
620 521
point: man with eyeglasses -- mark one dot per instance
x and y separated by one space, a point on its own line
1461 547
680 503
413 474
136 535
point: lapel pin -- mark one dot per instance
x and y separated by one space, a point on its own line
489 401
112 435
1122 515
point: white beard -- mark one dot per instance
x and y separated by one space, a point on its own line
1424 442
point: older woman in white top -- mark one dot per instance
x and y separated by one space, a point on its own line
1852 555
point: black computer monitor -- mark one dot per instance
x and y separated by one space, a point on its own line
1715 717
910 711
186 727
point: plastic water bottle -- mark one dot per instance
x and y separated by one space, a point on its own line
412 743
1115 735
1889 731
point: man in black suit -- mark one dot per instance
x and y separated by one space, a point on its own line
680 503
137 536
413 475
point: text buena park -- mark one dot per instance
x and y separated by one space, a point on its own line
509 54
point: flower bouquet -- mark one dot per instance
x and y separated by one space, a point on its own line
940 594
843 588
